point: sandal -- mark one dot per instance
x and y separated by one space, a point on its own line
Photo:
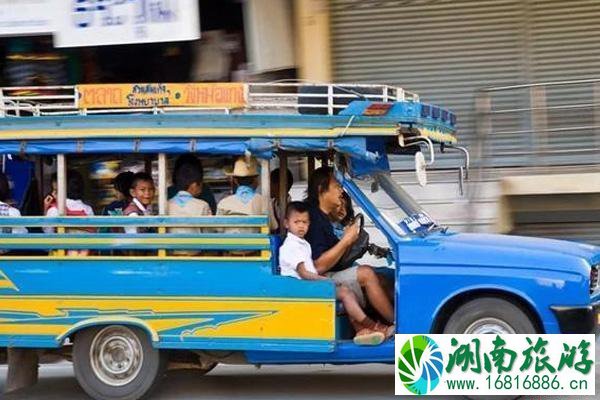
388 331
368 337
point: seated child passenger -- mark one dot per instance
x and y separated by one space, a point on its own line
6 210
75 207
142 195
122 184
295 259
185 203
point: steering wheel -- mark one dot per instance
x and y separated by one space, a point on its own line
361 219
359 248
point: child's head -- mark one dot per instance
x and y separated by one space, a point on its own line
4 188
275 182
142 188
297 218
344 213
189 178
75 185
122 184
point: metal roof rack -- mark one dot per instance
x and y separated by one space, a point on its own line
279 97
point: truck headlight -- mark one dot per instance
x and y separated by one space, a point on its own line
594 280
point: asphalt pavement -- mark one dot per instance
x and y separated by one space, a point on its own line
370 381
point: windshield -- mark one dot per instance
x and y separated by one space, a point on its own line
398 208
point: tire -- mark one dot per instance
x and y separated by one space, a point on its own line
501 314
116 362
489 315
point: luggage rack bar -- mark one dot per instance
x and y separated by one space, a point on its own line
294 98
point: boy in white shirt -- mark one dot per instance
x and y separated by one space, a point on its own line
295 260
142 194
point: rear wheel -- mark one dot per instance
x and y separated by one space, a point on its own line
490 315
116 362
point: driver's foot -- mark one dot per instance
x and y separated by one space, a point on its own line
368 337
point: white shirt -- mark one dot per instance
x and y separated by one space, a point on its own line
8 211
73 205
292 252
145 211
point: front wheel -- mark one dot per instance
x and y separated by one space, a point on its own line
116 362
489 315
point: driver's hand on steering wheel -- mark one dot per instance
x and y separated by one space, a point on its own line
351 232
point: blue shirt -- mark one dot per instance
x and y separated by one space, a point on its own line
320 234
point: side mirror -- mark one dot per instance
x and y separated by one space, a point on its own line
421 168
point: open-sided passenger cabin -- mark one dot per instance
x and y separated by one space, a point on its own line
215 301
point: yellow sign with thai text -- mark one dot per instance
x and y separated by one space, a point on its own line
150 95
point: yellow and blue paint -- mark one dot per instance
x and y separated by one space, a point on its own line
184 304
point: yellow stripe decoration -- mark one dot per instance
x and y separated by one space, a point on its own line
6 283
269 318
153 241
195 132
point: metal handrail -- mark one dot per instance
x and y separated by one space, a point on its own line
259 96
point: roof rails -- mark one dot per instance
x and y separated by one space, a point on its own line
279 97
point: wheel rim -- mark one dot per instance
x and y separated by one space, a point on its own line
490 326
116 355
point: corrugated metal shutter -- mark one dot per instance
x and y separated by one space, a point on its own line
565 44
446 50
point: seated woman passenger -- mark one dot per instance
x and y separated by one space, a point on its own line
185 203
75 207
6 210
142 195
324 197
245 200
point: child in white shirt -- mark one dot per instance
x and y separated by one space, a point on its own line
295 260
142 195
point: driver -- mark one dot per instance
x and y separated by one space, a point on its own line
324 198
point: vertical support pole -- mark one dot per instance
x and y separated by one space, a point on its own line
330 99
283 194
162 195
265 185
61 184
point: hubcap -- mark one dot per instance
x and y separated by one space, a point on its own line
490 326
116 355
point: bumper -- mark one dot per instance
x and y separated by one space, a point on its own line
577 319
